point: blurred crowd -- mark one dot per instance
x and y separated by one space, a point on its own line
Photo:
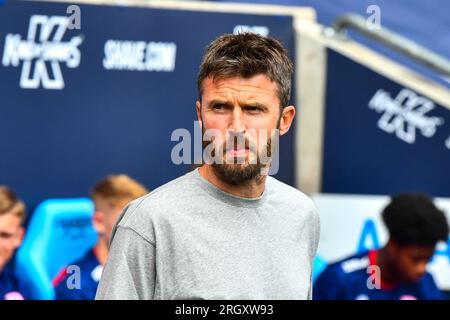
396 271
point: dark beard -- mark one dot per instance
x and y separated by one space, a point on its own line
236 173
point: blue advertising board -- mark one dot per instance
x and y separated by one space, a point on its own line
80 102
381 137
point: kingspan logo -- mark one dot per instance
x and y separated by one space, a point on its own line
42 52
405 114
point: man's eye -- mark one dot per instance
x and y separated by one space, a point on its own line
253 109
219 107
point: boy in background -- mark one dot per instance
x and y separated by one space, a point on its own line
110 196
415 226
12 216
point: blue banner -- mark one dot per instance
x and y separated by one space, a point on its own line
99 92
381 137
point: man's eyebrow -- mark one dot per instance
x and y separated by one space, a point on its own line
218 101
256 104
246 105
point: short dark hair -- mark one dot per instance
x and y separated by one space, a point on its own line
246 55
413 219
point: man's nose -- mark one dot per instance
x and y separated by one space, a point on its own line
237 123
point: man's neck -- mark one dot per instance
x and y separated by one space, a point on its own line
101 251
252 189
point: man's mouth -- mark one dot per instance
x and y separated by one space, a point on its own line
238 152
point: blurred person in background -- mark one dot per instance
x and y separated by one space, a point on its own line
110 196
12 216
415 226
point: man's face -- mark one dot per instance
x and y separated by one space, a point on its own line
11 235
411 261
246 112
105 217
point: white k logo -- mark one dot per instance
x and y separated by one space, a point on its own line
43 48
405 114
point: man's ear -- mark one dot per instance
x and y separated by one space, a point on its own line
198 108
98 222
287 116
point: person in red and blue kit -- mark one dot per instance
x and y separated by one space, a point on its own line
12 216
110 196
398 270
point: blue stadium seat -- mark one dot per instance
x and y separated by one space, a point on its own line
60 232
319 265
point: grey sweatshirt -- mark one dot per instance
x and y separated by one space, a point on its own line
190 240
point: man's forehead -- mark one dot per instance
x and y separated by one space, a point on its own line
419 250
8 221
258 86
261 81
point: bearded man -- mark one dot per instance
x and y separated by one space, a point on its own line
226 230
